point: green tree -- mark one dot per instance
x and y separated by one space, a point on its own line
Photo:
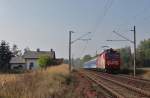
45 61
126 57
87 58
143 53
15 51
5 56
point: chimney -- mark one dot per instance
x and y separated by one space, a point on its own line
38 49
53 53
51 50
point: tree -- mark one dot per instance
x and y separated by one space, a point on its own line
15 51
87 58
26 49
143 53
126 57
5 56
44 61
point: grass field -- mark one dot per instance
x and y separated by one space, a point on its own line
36 84
146 73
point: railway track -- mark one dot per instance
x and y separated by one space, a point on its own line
116 87
130 80
138 83
134 78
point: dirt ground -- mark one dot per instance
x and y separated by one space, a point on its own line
82 87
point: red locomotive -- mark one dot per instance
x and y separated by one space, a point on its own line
109 60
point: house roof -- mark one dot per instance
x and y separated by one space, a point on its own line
17 60
37 54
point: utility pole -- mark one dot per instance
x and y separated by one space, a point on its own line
70 50
72 62
133 42
71 42
134 30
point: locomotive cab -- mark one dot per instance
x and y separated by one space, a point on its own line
109 60
112 60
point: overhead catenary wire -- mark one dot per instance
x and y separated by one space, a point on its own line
105 13
123 37
80 38
85 46
84 49
107 6
86 35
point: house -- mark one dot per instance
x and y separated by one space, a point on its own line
17 62
29 60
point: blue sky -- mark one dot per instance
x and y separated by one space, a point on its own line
45 24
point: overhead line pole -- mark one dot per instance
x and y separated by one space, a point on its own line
134 42
70 50
134 30
71 42
123 37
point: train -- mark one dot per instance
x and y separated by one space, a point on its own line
90 64
108 61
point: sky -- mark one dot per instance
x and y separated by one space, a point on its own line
45 24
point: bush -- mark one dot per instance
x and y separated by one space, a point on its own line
45 61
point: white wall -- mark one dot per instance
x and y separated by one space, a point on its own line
34 61
16 65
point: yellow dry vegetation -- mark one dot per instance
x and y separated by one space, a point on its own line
63 69
146 75
7 77
36 84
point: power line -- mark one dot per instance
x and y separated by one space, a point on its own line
133 42
80 38
107 6
84 48
123 36
77 39
106 9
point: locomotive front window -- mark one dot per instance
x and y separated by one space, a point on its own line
113 56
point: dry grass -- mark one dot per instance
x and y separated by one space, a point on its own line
37 84
143 73
146 75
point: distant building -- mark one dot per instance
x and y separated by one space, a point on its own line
17 62
29 59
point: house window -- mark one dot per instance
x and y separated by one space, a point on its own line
19 67
31 65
